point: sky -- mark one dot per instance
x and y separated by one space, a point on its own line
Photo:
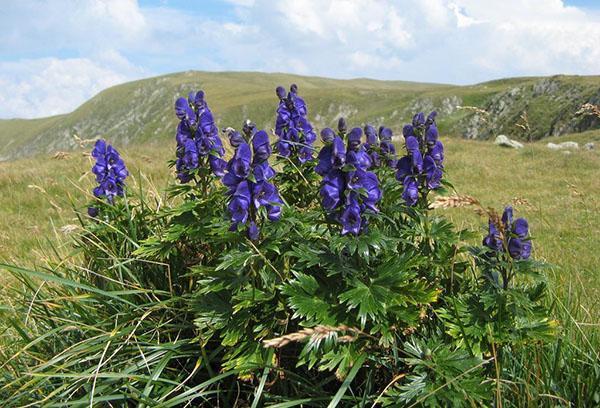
56 54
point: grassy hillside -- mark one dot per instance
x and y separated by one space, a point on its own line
139 112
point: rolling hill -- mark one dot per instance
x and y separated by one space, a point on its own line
141 112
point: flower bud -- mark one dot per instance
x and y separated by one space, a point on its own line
342 125
327 135
280 91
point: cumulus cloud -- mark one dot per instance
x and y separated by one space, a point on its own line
75 49
50 86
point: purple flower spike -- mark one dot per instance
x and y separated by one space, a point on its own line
110 171
295 133
198 142
515 239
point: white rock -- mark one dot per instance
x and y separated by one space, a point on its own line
502 140
589 146
563 146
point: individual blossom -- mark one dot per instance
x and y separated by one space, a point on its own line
421 169
198 141
295 133
248 179
348 189
511 236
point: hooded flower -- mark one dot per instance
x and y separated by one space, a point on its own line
198 142
110 171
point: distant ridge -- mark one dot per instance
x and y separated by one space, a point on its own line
142 111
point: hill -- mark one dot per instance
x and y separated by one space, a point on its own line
140 112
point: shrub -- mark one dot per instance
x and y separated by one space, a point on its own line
344 287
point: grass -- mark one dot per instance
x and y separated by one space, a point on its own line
558 193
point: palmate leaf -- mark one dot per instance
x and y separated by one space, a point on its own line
369 299
306 301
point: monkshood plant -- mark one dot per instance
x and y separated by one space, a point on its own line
231 294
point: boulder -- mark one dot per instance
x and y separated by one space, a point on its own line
589 146
563 146
504 141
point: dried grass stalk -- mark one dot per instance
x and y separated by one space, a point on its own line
314 334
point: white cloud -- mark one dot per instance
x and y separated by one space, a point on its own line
452 41
49 86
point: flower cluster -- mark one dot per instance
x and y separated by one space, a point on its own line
295 133
421 169
247 179
512 236
379 146
197 138
110 173
348 189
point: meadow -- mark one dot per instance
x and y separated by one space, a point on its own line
559 193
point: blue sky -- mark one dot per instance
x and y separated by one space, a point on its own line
55 54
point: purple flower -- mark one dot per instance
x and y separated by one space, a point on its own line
263 194
431 134
359 158
92 212
198 142
351 219
110 171
433 174
354 138
421 169
348 189
366 185
261 146
295 133
338 152
515 237
253 231
411 191
325 158
263 171
332 188
327 135
247 179
418 120
342 128
436 151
